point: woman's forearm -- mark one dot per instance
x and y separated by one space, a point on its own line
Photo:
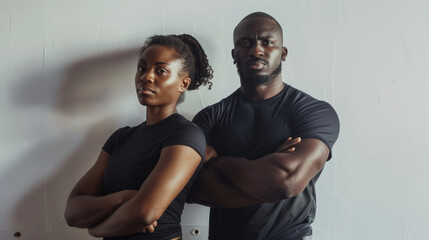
172 172
85 211
123 221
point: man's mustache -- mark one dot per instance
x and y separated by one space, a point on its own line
253 60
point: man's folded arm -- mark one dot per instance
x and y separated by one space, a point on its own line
275 176
212 190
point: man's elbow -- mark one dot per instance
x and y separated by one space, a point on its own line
291 188
195 196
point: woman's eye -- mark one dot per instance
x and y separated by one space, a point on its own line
141 69
163 71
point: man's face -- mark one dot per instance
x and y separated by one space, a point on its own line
258 50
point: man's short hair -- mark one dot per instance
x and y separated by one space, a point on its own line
261 14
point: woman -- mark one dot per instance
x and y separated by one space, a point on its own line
138 186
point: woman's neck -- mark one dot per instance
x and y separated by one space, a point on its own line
157 114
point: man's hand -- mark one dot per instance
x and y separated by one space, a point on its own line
150 228
210 153
288 145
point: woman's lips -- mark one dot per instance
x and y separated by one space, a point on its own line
145 91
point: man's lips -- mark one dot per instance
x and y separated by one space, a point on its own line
256 64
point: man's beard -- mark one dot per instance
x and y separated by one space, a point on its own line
256 80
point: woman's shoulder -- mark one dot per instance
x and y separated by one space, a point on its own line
181 131
181 124
125 131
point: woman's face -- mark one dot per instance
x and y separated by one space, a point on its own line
159 77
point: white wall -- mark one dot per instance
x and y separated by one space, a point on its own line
66 75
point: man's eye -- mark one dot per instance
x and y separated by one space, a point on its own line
267 42
244 44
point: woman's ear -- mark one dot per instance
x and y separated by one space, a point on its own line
184 84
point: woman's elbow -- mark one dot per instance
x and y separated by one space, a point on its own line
148 216
72 221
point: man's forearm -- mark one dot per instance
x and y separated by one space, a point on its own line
212 190
275 176
264 182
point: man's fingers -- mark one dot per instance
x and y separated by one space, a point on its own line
288 145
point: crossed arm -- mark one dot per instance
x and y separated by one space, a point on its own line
130 211
229 182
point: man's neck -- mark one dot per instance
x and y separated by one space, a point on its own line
263 91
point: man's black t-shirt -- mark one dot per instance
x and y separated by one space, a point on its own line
135 151
242 127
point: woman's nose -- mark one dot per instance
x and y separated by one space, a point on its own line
148 76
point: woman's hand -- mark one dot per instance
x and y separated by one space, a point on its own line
150 228
95 232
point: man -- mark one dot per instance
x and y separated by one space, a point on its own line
258 182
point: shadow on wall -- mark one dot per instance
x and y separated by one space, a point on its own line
43 176
95 82
81 87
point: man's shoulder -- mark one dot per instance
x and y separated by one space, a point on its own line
222 104
301 99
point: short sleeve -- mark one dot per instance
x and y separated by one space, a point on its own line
189 135
115 140
205 120
316 120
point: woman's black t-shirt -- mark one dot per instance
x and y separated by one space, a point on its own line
134 152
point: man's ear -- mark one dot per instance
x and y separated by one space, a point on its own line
284 53
233 56
184 84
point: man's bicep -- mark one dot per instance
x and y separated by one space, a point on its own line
303 164
318 121
206 120
210 153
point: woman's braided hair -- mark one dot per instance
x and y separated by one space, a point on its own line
195 61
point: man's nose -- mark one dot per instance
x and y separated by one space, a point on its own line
256 50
